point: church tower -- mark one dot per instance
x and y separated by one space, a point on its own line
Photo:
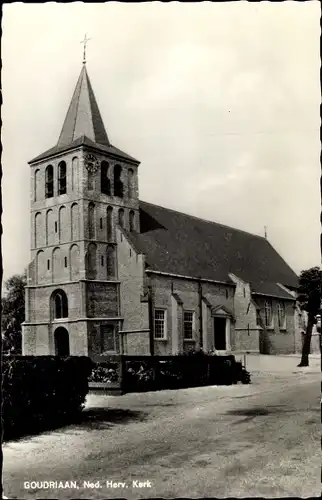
81 189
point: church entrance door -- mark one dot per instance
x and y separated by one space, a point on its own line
61 342
220 334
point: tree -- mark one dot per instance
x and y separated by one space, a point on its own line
13 314
309 299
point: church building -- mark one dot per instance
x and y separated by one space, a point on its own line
112 274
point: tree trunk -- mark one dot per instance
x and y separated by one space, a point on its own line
307 341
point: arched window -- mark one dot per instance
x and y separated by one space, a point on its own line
130 183
91 220
110 261
38 229
131 220
62 178
281 314
118 184
59 304
49 180
121 217
268 313
91 261
109 222
61 342
74 226
105 181
74 173
36 185
41 266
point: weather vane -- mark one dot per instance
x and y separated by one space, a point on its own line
84 42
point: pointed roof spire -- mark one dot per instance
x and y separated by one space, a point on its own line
83 116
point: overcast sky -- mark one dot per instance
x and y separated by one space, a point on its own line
219 102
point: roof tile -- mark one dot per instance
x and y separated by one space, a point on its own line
181 244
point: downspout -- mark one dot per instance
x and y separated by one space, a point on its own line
151 320
200 315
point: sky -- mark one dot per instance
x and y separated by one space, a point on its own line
219 102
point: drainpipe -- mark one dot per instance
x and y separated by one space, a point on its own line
200 315
151 320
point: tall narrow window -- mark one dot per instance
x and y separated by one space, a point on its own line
281 314
105 181
36 185
74 173
258 317
121 217
90 180
62 178
188 325
131 220
91 220
49 180
130 183
39 230
107 338
160 330
91 261
268 313
118 184
65 261
109 222
110 262
60 304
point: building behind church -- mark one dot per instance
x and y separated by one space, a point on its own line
110 273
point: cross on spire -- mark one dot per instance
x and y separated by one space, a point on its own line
85 42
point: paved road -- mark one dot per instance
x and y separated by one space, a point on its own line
258 440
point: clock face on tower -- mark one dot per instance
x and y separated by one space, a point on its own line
92 164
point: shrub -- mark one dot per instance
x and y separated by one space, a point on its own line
39 392
105 372
181 371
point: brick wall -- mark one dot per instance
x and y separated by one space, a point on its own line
38 339
102 299
276 340
246 328
187 290
136 343
132 289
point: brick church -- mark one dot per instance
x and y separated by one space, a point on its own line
110 273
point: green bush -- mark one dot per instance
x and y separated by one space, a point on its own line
39 392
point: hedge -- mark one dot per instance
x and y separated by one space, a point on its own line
39 392
147 373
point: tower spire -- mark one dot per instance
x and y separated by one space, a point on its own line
85 43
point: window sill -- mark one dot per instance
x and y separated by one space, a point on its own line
189 340
60 320
161 340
